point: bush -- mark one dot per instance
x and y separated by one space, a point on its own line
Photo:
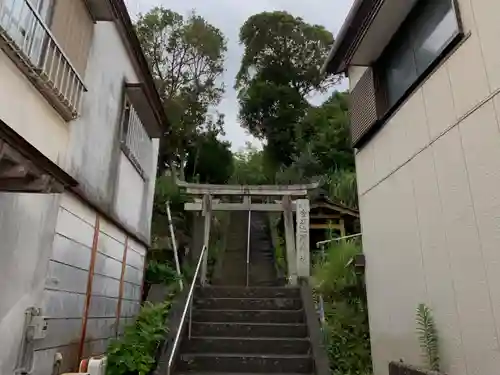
134 353
346 315
160 273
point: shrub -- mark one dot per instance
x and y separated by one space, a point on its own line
160 273
428 336
134 353
346 328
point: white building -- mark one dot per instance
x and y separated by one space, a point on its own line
424 78
79 125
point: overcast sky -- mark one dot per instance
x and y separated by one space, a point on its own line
229 15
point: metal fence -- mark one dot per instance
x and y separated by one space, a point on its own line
23 26
137 142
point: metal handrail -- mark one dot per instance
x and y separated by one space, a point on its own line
248 246
54 40
321 243
187 307
30 36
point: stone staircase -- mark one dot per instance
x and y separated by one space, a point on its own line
262 267
232 269
246 331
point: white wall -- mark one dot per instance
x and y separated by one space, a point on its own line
25 110
27 224
131 189
94 133
32 227
430 209
94 158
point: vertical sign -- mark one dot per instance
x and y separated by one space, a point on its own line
302 237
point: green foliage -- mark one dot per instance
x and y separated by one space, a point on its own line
134 352
186 57
325 131
249 167
324 152
166 190
161 273
280 67
288 47
428 336
279 245
210 161
346 315
279 255
342 187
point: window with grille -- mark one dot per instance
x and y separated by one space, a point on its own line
135 141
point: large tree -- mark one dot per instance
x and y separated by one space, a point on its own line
186 56
280 67
210 160
325 131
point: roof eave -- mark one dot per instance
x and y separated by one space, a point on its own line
355 25
121 11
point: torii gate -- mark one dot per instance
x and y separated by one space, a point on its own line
288 198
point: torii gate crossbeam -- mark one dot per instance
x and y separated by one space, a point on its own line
297 242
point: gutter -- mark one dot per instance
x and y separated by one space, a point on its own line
120 9
350 35
339 40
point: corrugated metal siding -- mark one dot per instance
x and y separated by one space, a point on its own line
101 323
132 284
66 286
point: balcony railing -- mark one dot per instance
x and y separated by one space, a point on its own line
137 143
29 42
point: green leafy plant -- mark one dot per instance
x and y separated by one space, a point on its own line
279 254
161 273
427 336
346 330
134 352
279 245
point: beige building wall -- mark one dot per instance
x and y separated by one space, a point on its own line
26 111
429 187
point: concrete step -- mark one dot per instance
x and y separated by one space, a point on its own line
227 373
247 363
249 345
251 292
248 303
225 329
249 316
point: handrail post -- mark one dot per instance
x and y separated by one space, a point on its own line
190 317
174 246
248 240
187 306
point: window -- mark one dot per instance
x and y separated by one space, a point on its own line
427 32
425 37
135 141
26 37
18 18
